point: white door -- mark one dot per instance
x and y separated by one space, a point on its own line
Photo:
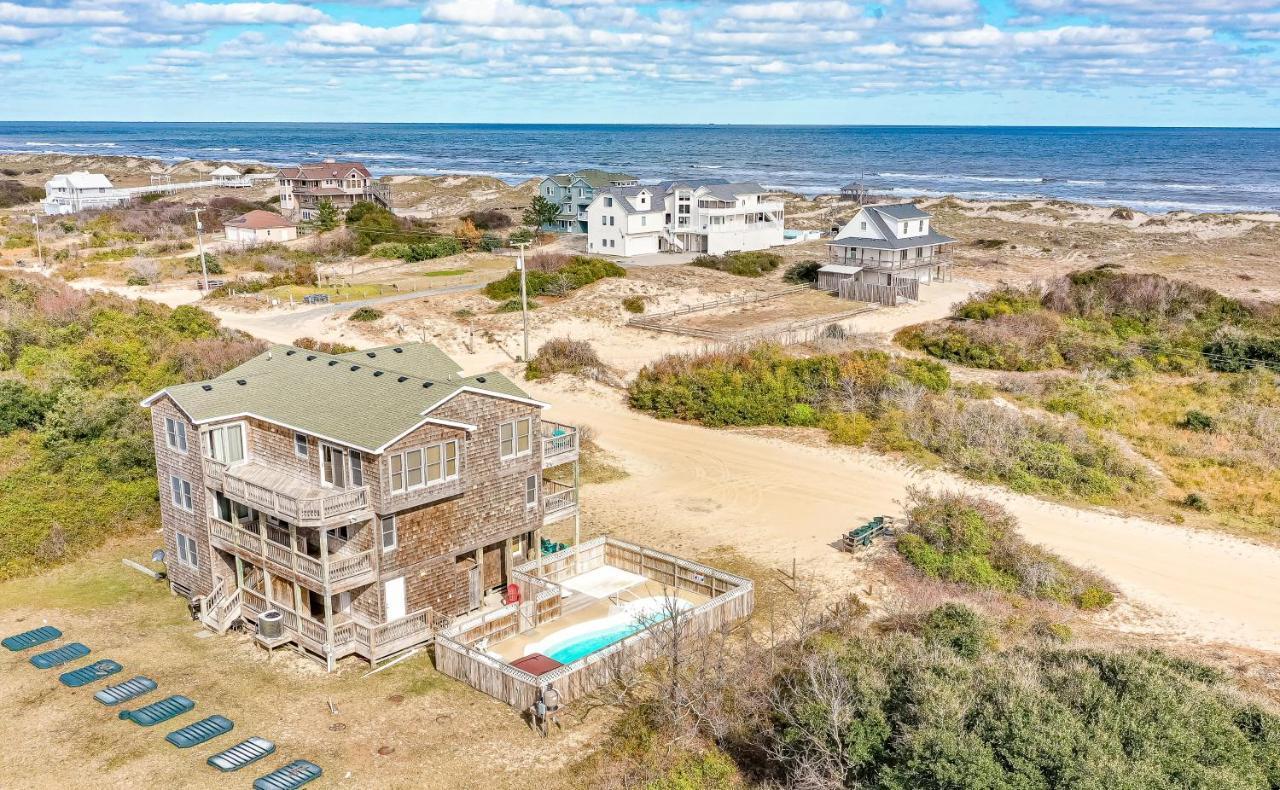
394 592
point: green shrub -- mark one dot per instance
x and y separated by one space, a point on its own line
514 306
802 273
563 355
365 314
323 346
971 541
576 273
633 304
1196 501
743 264
1196 420
957 628
137 280
1093 598
21 406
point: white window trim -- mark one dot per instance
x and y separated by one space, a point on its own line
177 438
188 551
537 489
180 493
515 439
382 534
403 455
207 444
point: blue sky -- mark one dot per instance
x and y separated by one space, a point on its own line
1106 62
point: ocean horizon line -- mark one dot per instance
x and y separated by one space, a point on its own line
684 125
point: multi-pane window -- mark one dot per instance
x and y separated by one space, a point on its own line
187 553
423 466
181 491
389 537
300 444
175 434
531 492
225 443
357 470
515 438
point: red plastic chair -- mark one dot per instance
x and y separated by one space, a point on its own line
513 594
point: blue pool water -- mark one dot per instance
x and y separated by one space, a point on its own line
590 643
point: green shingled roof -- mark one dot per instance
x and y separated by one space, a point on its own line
365 399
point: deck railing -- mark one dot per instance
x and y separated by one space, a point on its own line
305 511
342 567
558 496
558 441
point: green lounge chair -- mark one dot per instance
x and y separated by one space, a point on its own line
90 674
32 638
293 775
157 712
123 692
200 732
59 656
243 753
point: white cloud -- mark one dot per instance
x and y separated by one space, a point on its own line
60 17
497 13
242 14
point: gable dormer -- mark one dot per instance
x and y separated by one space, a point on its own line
862 226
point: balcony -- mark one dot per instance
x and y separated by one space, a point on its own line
346 569
559 444
288 498
559 501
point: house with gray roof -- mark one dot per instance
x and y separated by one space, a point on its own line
887 246
709 216
573 192
367 498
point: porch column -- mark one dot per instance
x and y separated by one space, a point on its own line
577 519
328 601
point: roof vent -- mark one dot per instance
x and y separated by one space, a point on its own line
333 362
377 373
370 354
241 382
402 379
398 350
426 384
207 387
310 357
290 352
354 368
480 379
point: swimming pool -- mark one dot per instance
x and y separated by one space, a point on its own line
572 643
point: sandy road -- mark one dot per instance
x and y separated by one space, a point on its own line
697 488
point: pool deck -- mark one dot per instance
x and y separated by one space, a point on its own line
600 606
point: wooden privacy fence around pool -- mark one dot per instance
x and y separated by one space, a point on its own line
459 649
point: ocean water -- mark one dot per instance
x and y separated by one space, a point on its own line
1147 168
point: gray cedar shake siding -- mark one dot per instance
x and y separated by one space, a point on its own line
193 523
379 403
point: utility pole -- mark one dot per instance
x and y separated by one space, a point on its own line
524 300
35 220
204 269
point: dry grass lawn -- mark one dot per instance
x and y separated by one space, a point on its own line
407 726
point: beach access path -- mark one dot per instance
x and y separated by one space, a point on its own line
696 489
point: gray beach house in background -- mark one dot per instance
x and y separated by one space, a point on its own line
573 192
884 253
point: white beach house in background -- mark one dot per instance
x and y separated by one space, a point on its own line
226 176
884 244
72 192
683 216
259 227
